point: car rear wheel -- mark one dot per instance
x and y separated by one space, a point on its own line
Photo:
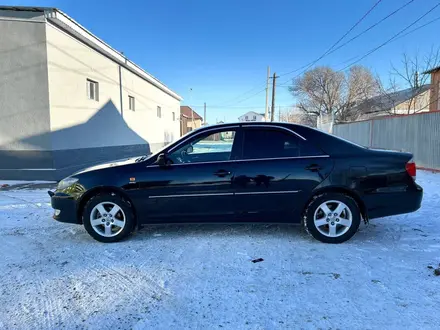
108 218
332 217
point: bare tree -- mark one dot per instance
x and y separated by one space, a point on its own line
410 73
323 92
293 115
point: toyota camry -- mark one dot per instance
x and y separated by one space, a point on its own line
243 173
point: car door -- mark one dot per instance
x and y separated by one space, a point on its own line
196 184
276 173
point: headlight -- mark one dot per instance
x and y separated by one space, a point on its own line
65 183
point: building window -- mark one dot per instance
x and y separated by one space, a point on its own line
255 117
246 117
174 116
159 112
131 103
92 90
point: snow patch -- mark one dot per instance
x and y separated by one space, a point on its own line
56 276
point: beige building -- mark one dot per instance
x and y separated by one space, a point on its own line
404 102
189 120
69 100
434 102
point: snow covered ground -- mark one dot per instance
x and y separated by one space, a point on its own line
54 276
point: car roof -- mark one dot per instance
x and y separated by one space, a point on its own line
330 144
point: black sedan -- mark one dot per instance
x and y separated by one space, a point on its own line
241 173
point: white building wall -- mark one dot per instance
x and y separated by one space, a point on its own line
24 111
251 116
77 122
144 119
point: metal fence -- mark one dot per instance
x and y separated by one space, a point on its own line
418 134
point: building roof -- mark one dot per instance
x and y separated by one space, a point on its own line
253 112
437 68
389 101
186 112
68 24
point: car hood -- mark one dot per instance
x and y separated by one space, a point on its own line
115 163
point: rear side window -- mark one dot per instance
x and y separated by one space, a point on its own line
273 143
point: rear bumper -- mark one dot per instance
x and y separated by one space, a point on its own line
392 203
65 207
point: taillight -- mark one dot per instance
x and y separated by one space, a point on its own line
411 169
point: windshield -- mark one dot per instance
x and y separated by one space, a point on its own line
166 146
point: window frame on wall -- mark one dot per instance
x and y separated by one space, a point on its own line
159 112
92 89
131 103
174 116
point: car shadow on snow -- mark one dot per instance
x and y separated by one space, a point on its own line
221 230
380 231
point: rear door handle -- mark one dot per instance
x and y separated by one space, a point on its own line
222 173
313 167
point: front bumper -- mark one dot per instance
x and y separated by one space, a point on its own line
392 203
65 207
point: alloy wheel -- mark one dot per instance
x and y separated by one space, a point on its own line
107 219
333 218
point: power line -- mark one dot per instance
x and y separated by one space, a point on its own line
418 28
312 63
263 90
336 43
390 39
371 26
357 36
242 94
240 106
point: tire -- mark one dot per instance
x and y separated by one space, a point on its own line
108 218
338 224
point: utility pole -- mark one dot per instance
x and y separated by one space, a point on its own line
266 113
192 110
272 114
204 114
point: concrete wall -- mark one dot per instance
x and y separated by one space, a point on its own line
24 100
418 134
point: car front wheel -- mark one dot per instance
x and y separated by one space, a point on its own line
108 217
332 217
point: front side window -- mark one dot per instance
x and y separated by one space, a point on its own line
92 90
272 143
159 112
209 147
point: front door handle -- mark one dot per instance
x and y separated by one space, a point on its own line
222 173
313 167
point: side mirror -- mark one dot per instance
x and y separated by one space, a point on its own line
162 160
